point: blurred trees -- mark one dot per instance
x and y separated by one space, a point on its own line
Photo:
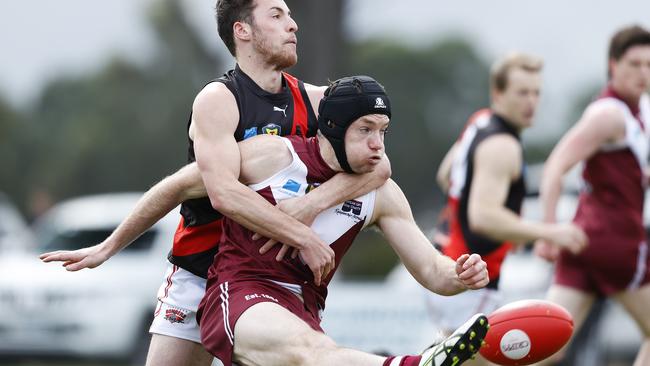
122 128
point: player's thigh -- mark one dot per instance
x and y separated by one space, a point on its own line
269 334
576 302
170 351
637 303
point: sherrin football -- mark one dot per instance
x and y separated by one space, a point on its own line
527 331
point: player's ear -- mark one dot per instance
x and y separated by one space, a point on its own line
242 31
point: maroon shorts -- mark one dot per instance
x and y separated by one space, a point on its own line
223 304
607 266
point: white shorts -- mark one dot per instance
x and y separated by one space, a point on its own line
178 300
450 312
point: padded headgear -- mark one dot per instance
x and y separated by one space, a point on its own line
345 101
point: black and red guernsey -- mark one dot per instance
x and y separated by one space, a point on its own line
462 239
288 112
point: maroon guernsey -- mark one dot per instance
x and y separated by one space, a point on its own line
239 259
610 210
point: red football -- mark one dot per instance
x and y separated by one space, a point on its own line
527 331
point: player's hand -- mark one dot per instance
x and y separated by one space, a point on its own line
568 236
299 210
74 260
319 257
472 271
546 250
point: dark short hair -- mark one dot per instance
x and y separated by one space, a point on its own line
500 71
626 38
227 13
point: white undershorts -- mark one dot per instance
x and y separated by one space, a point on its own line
178 300
450 312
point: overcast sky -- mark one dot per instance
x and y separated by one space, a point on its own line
42 39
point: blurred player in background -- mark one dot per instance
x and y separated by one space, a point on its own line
612 139
484 176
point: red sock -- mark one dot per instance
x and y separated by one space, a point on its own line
402 361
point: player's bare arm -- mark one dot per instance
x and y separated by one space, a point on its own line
444 170
497 162
215 118
160 199
340 188
315 94
599 125
434 271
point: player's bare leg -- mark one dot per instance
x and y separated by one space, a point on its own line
267 334
637 303
578 304
171 351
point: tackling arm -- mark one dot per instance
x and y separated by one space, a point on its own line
215 117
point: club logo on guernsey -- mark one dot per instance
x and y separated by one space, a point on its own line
352 209
379 103
250 132
272 129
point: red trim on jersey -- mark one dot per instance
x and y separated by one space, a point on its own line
481 113
196 239
457 246
299 107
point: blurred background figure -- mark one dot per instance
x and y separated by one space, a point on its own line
486 187
612 138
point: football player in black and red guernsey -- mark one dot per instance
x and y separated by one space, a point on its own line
485 172
612 138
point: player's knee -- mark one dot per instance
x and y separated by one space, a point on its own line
310 349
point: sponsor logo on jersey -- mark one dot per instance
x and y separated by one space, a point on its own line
351 209
283 110
250 132
379 103
352 205
260 296
291 185
272 129
175 315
